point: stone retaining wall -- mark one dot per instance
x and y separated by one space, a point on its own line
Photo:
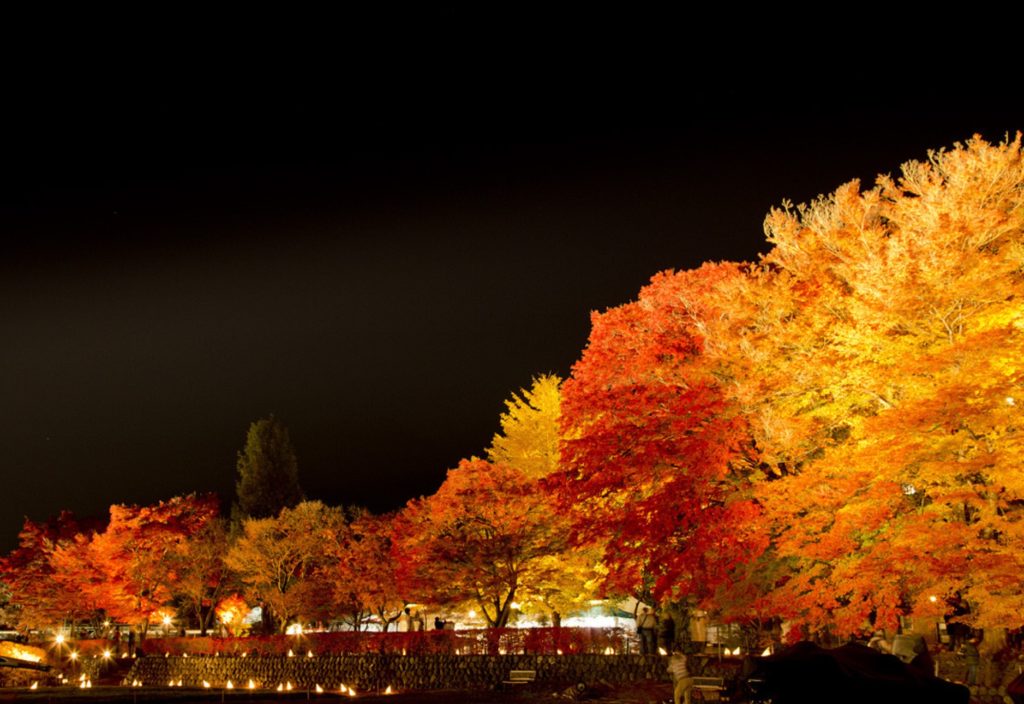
402 673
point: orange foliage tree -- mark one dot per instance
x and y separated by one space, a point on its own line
40 599
480 541
360 573
200 573
130 569
875 353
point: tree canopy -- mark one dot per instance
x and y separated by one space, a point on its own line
268 471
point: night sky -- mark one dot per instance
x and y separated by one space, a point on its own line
377 253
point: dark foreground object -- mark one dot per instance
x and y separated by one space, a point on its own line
851 674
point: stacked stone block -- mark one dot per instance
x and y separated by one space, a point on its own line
402 673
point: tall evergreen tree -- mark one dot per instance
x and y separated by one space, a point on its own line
268 472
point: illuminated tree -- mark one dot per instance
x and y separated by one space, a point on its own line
361 574
276 558
875 351
656 458
231 612
198 563
268 472
529 441
38 598
480 541
529 434
130 569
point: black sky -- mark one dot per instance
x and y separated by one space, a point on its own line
380 247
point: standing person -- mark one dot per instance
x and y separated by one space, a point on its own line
415 621
682 683
972 657
646 628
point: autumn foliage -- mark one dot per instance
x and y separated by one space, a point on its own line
828 436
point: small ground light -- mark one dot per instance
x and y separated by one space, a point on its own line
319 689
229 685
388 690
35 685
280 687
74 655
106 655
290 653
309 653
206 685
288 686
933 598
252 685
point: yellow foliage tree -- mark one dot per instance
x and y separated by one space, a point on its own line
876 352
529 440
529 434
